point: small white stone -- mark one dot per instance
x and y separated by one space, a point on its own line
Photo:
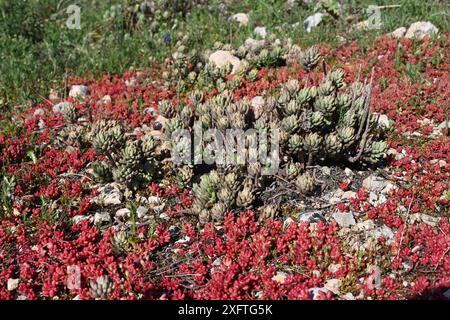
348 172
257 101
311 217
221 57
429 220
13 284
442 163
349 296
344 219
154 200
242 18
443 125
421 29
383 231
398 33
382 120
312 21
141 212
348 195
252 44
124 212
102 217
38 112
280 277
109 194
78 91
261 31
333 285
78 218
316 273
326 171
374 183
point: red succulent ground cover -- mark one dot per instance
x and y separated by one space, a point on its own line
245 259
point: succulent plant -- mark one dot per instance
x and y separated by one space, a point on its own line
119 242
326 88
295 144
313 141
305 183
317 119
346 135
268 211
377 151
293 169
325 104
246 196
101 171
101 287
336 77
290 124
309 58
332 143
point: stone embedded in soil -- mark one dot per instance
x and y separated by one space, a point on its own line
241 18
123 213
344 219
377 198
12 284
280 277
312 21
374 183
78 218
383 231
421 29
312 217
429 220
102 217
109 194
78 91
141 212
398 33
221 57
349 296
252 44
333 285
261 31
377 184
382 120
348 195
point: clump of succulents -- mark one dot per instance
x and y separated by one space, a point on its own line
187 69
127 161
315 123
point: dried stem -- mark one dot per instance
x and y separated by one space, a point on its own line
365 122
